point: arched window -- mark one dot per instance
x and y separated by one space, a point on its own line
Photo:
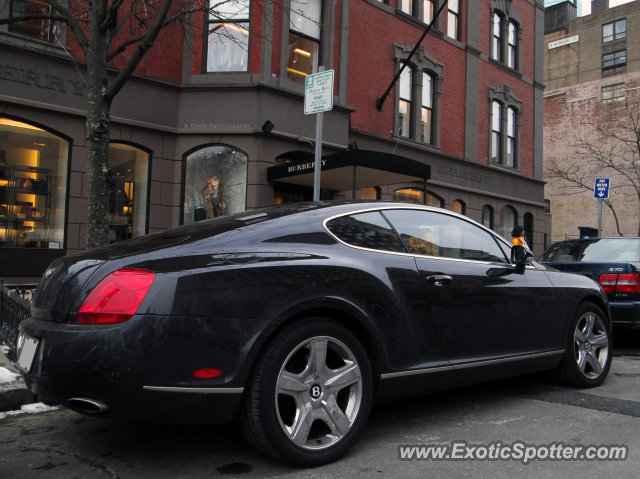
458 206
528 228
512 46
215 182
416 195
418 96
506 33
128 191
487 216
33 188
505 112
508 220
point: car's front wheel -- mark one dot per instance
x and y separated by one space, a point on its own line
310 394
587 357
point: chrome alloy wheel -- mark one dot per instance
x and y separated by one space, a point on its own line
318 393
591 345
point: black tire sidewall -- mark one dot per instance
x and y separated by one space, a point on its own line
292 338
569 362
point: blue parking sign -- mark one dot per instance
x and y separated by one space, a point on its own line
601 189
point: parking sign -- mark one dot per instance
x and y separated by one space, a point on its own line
601 189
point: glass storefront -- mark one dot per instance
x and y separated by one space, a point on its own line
215 183
416 195
33 186
128 192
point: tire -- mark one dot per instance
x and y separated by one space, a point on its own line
587 357
333 396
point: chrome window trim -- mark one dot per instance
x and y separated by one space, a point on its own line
195 390
472 364
430 209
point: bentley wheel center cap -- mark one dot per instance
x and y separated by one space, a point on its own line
315 391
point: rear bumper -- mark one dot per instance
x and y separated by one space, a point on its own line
143 369
625 315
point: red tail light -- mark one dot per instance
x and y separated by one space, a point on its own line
628 283
116 298
608 282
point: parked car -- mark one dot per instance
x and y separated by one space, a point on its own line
612 262
293 320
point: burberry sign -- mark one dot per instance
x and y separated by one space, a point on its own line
464 174
49 82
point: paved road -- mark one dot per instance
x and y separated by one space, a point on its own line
63 444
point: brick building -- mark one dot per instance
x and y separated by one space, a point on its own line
592 65
470 107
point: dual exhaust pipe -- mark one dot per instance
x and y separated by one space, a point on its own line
87 405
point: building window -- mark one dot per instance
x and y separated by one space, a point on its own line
506 35
614 31
33 186
496 131
427 107
611 93
613 62
508 220
215 183
404 105
127 192
371 193
42 29
228 37
511 137
452 19
406 6
458 206
416 195
496 47
512 50
418 96
304 40
428 11
487 216
505 111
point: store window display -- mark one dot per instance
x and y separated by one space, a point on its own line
215 183
128 190
33 186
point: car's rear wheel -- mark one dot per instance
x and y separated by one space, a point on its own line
587 357
310 394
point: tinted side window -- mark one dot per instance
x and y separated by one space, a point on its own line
367 230
434 234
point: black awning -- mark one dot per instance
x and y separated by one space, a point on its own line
353 170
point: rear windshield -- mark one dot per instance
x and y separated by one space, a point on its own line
594 251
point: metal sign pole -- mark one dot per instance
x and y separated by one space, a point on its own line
600 217
318 166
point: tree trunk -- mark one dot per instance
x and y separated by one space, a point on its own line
97 131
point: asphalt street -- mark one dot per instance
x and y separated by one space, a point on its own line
63 444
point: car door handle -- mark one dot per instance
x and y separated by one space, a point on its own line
439 279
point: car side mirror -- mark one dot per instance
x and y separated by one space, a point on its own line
521 257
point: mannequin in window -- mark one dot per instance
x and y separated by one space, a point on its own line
213 191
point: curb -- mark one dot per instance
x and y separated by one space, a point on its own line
15 394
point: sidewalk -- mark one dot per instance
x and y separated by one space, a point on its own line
13 394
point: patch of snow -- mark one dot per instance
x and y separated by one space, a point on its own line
5 349
38 407
29 409
7 376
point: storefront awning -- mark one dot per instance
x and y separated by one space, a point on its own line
353 170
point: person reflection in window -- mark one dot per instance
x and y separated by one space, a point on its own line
213 191
423 246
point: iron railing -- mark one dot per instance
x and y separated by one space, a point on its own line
14 308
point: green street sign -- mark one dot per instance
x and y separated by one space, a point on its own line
318 92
